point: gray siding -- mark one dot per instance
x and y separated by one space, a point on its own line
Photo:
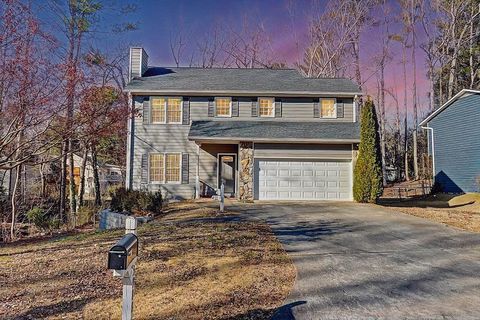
293 109
138 62
151 138
457 145
312 151
165 138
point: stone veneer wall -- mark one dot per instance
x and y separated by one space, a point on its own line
354 155
246 171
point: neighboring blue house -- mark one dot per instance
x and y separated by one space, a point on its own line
454 142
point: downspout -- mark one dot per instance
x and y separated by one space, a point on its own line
355 108
433 153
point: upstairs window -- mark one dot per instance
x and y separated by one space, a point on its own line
266 107
174 110
158 110
223 107
166 110
328 108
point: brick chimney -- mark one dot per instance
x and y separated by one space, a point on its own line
138 62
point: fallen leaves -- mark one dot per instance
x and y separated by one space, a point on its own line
192 265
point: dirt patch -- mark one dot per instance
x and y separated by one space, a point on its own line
188 269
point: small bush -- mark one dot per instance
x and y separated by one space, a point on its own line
85 215
38 217
129 200
54 224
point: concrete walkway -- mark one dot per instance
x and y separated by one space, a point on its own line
364 262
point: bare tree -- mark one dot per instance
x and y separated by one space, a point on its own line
382 61
334 36
177 46
248 47
210 48
410 14
361 10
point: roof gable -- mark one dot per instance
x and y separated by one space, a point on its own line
447 104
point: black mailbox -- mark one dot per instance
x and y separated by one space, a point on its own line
122 254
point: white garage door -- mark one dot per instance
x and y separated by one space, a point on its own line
301 179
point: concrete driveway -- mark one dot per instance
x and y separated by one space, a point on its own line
365 262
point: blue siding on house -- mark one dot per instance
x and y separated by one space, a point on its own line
457 145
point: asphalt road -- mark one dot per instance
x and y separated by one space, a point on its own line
365 262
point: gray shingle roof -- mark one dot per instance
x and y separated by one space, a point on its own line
214 80
275 131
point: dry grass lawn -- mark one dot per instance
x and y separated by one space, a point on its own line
462 211
192 266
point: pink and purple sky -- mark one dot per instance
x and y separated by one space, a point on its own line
159 20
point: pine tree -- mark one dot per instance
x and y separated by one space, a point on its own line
367 181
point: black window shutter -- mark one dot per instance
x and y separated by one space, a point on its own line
235 108
211 108
254 108
186 111
278 108
146 110
185 169
144 167
316 109
340 109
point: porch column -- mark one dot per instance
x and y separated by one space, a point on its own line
245 154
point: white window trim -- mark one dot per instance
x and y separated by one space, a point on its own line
273 107
223 116
334 106
165 168
165 110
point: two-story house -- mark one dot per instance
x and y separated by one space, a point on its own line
268 134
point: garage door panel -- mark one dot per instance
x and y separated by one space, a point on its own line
303 179
283 183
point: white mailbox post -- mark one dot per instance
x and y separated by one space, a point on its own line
222 197
122 259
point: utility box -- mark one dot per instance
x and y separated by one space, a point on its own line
123 253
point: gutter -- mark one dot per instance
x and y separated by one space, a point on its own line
433 153
245 93
274 140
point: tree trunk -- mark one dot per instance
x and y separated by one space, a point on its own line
70 94
432 86
98 199
71 184
42 181
82 177
453 63
356 54
18 173
470 50
382 121
407 169
415 111
63 182
398 139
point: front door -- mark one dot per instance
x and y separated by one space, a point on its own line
226 173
